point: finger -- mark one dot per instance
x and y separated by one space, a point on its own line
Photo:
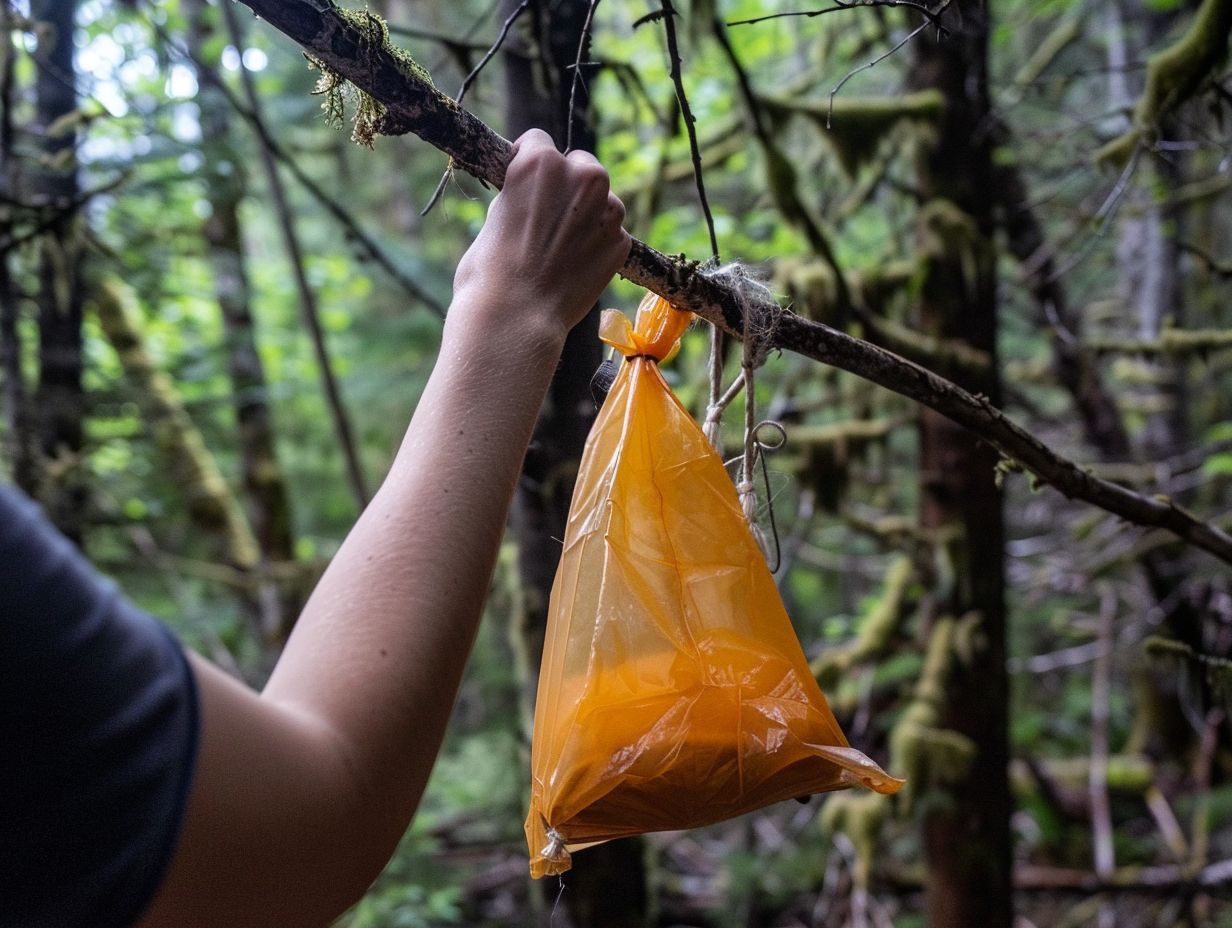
533 147
532 138
582 156
615 209
624 249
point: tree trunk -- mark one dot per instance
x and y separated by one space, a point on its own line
967 825
225 181
607 885
16 422
60 399
1148 265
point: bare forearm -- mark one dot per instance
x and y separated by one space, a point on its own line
380 648
302 792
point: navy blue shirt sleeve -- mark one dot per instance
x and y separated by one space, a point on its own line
98 736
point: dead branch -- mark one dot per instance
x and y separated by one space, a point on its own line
356 48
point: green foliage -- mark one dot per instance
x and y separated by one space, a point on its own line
862 577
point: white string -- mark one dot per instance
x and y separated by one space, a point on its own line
756 301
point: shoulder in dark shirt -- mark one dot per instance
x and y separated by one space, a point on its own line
98 734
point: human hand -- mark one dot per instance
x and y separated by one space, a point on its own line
552 240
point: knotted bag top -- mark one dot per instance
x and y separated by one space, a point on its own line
655 334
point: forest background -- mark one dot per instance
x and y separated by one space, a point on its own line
217 312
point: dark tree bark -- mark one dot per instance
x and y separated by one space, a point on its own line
607 885
17 426
966 830
59 399
225 179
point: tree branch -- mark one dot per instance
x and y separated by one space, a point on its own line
411 104
354 231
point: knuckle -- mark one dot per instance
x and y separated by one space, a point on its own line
591 175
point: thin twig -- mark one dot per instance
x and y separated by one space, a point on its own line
673 51
1213 264
469 34
817 237
1101 684
880 58
355 232
1103 216
62 212
492 50
429 35
840 7
466 83
577 74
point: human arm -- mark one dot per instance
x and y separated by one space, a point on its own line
302 793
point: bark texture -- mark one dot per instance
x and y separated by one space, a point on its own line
967 826
59 397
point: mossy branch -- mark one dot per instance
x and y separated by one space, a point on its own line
1171 341
877 628
212 506
412 104
1218 670
926 752
856 126
1173 75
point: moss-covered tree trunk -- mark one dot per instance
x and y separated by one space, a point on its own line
225 178
966 821
607 885
59 398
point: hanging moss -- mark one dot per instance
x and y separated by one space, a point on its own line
948 234
1173 75
876 286
877 628
860 816
337 91
920 749
856 126
810 286
1181 657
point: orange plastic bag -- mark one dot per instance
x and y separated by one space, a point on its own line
673 692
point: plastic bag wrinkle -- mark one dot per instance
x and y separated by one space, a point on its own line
674 692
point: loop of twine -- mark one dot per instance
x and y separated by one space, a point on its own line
755 300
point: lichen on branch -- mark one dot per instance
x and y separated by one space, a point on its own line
337 90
